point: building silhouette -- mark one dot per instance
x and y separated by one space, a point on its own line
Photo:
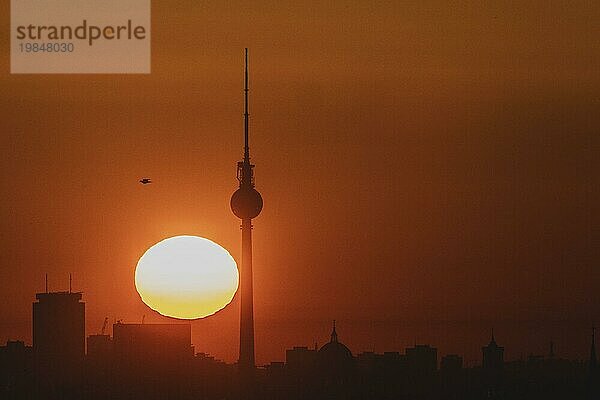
16 370
335 362
147 361
99 347
99 366
452 378
300 359
493 355
492 369
59 326
334 350
58 342
157 361
422 359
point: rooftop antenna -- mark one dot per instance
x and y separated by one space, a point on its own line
70 282
46 282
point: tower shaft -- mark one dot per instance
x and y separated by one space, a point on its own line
246 359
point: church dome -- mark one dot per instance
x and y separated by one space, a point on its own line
334 353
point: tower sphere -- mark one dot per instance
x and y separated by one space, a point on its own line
246 203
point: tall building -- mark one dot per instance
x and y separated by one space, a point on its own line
59 326
246 203
59 341
493 355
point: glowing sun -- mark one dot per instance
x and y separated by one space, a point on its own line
186 277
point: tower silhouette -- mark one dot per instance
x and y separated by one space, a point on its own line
246 203
493 355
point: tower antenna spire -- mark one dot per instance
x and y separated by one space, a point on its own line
246 115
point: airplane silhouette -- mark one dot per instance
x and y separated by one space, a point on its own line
145 181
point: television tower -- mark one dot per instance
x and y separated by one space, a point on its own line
246 203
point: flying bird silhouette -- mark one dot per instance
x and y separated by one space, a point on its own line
145 181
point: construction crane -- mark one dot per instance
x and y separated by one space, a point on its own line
104 324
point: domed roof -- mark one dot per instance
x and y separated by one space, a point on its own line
334 352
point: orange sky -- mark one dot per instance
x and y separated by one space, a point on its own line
429 171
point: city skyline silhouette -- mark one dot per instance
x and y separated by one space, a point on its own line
146 360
